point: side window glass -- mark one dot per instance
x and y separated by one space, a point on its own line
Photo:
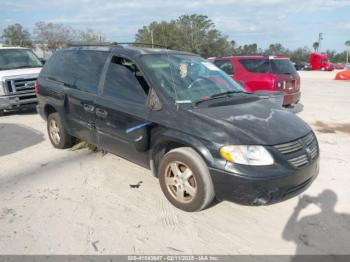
89 65
59 67
256 65
125 81
226 66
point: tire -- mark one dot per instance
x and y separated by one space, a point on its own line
57 132
193 184
2 112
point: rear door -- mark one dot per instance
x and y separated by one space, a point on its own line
86 69
121 111
256 74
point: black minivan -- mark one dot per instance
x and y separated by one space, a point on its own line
179 115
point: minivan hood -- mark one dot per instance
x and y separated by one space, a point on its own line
260 122
14 73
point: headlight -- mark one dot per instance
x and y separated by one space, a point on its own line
247 155
2 91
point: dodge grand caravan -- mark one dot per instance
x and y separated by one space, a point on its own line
256 73
179 115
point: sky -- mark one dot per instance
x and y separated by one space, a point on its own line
289 22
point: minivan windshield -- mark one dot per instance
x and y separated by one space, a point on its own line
18 58
188 78
274 66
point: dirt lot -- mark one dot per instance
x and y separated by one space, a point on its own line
77 202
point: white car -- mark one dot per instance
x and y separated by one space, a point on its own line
19 69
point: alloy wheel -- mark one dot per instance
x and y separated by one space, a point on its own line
54 131
180 182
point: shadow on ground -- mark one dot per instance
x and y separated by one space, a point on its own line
326 232
14 137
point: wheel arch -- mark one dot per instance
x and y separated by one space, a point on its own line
174 139
49 109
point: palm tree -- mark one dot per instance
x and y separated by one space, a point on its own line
316 45
347 43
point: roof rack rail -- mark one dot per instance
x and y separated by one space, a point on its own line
107 44
141 43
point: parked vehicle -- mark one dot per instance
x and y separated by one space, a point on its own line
19 69
320 62
256 73
302 66
347 65
339 66
198 130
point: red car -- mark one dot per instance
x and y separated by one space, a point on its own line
257 73
339 67
320 62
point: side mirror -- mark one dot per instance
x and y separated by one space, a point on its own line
42 60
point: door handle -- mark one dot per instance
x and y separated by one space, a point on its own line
101 113
88 108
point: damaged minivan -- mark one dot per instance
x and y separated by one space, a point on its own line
179 115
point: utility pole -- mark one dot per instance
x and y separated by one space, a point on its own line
320 38
152 37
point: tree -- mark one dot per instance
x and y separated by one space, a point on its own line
276 49
300 54
89 36
316 45
347 44
193 33
16 35
53 36
248 49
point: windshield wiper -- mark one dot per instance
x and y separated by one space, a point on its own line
226 93
218 95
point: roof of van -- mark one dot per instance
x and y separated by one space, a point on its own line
126 49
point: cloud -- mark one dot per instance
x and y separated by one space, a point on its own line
245 20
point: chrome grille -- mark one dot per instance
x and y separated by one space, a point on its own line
300 152
20 85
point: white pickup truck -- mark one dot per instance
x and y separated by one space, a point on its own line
19 69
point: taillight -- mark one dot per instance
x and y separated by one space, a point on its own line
36 87
281 85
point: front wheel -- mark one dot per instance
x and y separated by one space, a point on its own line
57 132
185 180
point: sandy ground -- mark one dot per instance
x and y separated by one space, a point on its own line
75 202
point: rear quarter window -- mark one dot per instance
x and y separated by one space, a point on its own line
256 65
78 69
226 66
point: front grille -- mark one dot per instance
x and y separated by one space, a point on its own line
20 85
301 151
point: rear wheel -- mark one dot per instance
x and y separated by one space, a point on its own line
57 132
185 180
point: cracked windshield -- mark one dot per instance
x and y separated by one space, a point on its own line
188 78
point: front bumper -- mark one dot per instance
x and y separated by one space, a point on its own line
263 190
17 101
291 98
